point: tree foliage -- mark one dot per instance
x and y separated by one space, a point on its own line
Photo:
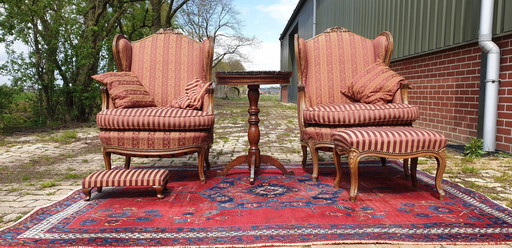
68 41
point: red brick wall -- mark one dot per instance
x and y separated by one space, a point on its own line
446 86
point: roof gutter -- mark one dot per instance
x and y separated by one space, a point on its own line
492 76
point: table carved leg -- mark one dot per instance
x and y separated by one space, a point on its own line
253 157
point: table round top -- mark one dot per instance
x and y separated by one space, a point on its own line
252 77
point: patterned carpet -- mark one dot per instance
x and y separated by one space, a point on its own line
277 210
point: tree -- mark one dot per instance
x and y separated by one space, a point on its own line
66 39
201 19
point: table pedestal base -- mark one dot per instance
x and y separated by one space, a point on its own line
254 166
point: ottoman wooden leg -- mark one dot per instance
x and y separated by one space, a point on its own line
87 193
353 163
159 191
414 168
441 166
383 161
337 164
406 167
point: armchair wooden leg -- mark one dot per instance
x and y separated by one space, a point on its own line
127 162
207 159
314 158
200 165
107 158
304 155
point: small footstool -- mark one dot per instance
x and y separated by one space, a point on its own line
125 177
388 142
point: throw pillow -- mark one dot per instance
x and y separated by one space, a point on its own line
193 97
126 90
377 84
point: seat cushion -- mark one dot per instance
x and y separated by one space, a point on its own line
158 118
361 114
389 140
124 177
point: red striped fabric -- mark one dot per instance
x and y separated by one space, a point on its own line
154 119
193 97
397 140
350 114
156 140
332 60
166 62
125 90
377 84
123 177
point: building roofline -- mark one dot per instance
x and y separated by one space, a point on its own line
292 18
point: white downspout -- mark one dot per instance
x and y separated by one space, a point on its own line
314 18
493 73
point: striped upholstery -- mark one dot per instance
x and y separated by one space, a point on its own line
123 177
154 119
377 84
155 140
125 90
333 60
193 97
166 62
390 140
361 114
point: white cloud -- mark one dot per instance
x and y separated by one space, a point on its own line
280 11
266 57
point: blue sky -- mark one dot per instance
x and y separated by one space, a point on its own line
264 19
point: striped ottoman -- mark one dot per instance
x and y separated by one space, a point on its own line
388 142
124 177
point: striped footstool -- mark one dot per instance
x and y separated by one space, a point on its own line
388 142
125 177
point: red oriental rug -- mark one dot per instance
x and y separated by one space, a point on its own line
278 210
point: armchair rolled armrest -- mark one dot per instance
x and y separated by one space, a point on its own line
105 98
301 104
404 89
208 100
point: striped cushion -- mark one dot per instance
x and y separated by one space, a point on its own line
351 114
391 140
154 119
155 140
377 84
123 177
193 97
126 90
331 61
166 62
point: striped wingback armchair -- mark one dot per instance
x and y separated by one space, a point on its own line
164 63
329 64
